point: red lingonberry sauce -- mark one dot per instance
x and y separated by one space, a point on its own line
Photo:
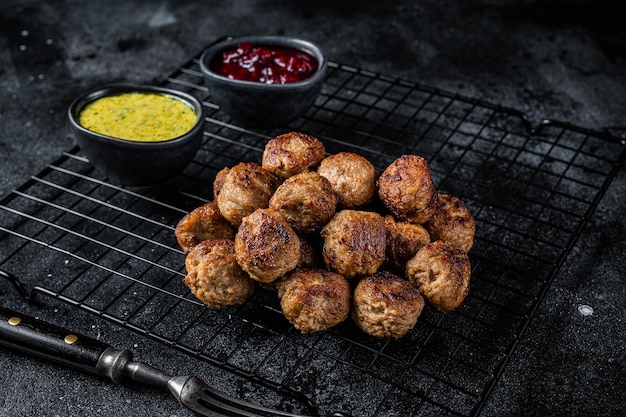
265 64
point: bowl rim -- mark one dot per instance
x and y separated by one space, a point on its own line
95 93
265 40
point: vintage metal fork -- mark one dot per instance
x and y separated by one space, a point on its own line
27 334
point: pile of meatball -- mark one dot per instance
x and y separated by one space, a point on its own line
334 238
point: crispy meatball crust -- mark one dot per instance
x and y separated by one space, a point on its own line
386 306
406 188
352 177
203 223
441 273
246 188
218 182
314 299
214 276
452 223
292 153
403 242
306 201
354 243
266 246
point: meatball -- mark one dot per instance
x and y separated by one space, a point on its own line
354 243
218 182
314 299
306 201
266 246
406 188
292 153
352 176
246 188
386 306
452 223
203 223
214 276
441 273
403 242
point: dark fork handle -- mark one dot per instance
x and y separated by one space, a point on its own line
44 340
27 334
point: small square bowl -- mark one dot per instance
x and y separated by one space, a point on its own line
131 162
261 104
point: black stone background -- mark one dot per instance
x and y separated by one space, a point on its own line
557 59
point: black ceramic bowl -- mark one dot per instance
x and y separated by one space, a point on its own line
257 104
134 163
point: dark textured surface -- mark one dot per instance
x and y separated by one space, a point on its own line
561 60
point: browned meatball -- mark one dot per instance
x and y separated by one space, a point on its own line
352 176
246 188
218 183
314 299
385 305
354 243
214 276
403 242
406 188
266 246
452 223
306 201
202 223
292 153
441 273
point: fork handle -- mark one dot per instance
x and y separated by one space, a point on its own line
44 340
48 341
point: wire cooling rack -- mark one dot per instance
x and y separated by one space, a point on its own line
111 251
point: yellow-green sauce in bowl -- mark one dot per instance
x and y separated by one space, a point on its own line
138 116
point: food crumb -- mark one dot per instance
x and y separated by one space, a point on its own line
585 310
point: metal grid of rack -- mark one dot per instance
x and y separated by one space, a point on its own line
111 250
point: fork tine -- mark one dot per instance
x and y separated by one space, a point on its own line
194 394
241 405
